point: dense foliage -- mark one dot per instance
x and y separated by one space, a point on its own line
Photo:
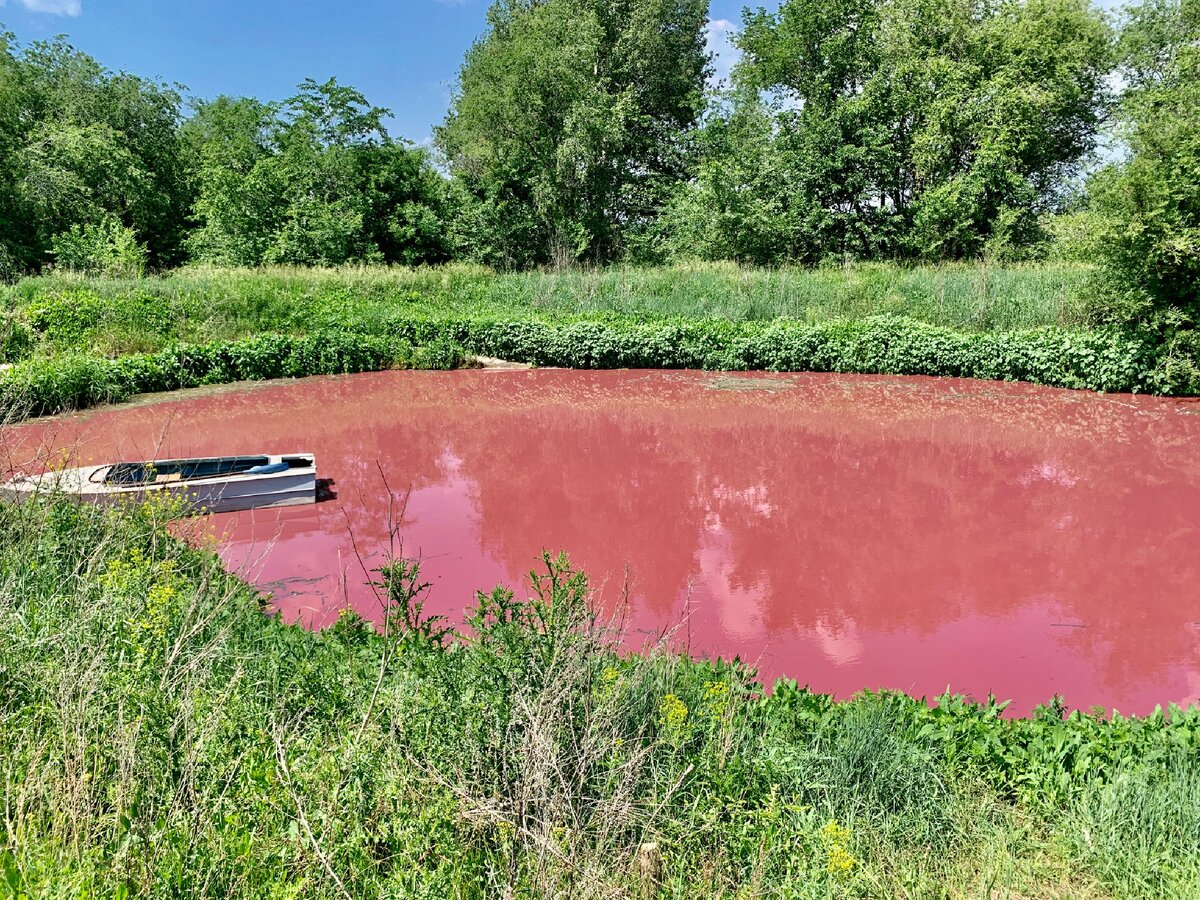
83 343
313 181
585 131
76 381
1102 360
77 343
197 304
567 128
82 148
897 129
1152 200
162 737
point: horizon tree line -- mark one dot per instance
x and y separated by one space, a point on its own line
586 132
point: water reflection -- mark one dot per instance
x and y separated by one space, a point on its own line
845 531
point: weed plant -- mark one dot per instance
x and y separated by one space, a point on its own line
162 736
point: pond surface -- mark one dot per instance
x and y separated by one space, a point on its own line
846 531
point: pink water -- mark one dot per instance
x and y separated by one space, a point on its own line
848 532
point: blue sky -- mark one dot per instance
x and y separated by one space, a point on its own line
403 54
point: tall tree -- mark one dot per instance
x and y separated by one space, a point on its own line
82 145
1152 197
912 127
567 126
238 199
316 180
14 247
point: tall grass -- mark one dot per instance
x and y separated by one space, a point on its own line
194 305
971 296
161 736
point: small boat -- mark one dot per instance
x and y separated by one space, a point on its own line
214 484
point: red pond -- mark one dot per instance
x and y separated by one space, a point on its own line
848 532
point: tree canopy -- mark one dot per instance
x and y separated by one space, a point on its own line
82 145
315 180
899 128
569 124
588 132
1151 199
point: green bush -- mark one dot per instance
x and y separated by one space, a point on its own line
67 317
1102 360
106 247
891 345
16 339
47 385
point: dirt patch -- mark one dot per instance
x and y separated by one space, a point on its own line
746 383
490 362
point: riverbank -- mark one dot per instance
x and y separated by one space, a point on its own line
80 342
201 304
164 736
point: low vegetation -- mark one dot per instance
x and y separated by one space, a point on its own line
78 342
48 385
199 304
163 737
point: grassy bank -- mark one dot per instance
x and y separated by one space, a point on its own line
198 305
162 737
1109 361
77 342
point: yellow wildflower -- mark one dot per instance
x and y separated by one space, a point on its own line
672 712
833 833
840 860
836 839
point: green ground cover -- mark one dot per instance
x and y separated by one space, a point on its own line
162 737
196 305
77 342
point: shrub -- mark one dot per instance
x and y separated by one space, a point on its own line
66 317
102 248
16 339
1103 360
47 385
1106 360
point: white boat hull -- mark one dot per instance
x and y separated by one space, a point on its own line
294 486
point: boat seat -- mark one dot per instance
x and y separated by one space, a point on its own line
269 469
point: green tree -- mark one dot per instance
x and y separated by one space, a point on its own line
82 145
1152 198
908 127
14 249
238 199
566 131
741 203
406 205
313 181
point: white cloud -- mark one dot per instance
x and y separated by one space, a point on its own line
54 7
718 35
